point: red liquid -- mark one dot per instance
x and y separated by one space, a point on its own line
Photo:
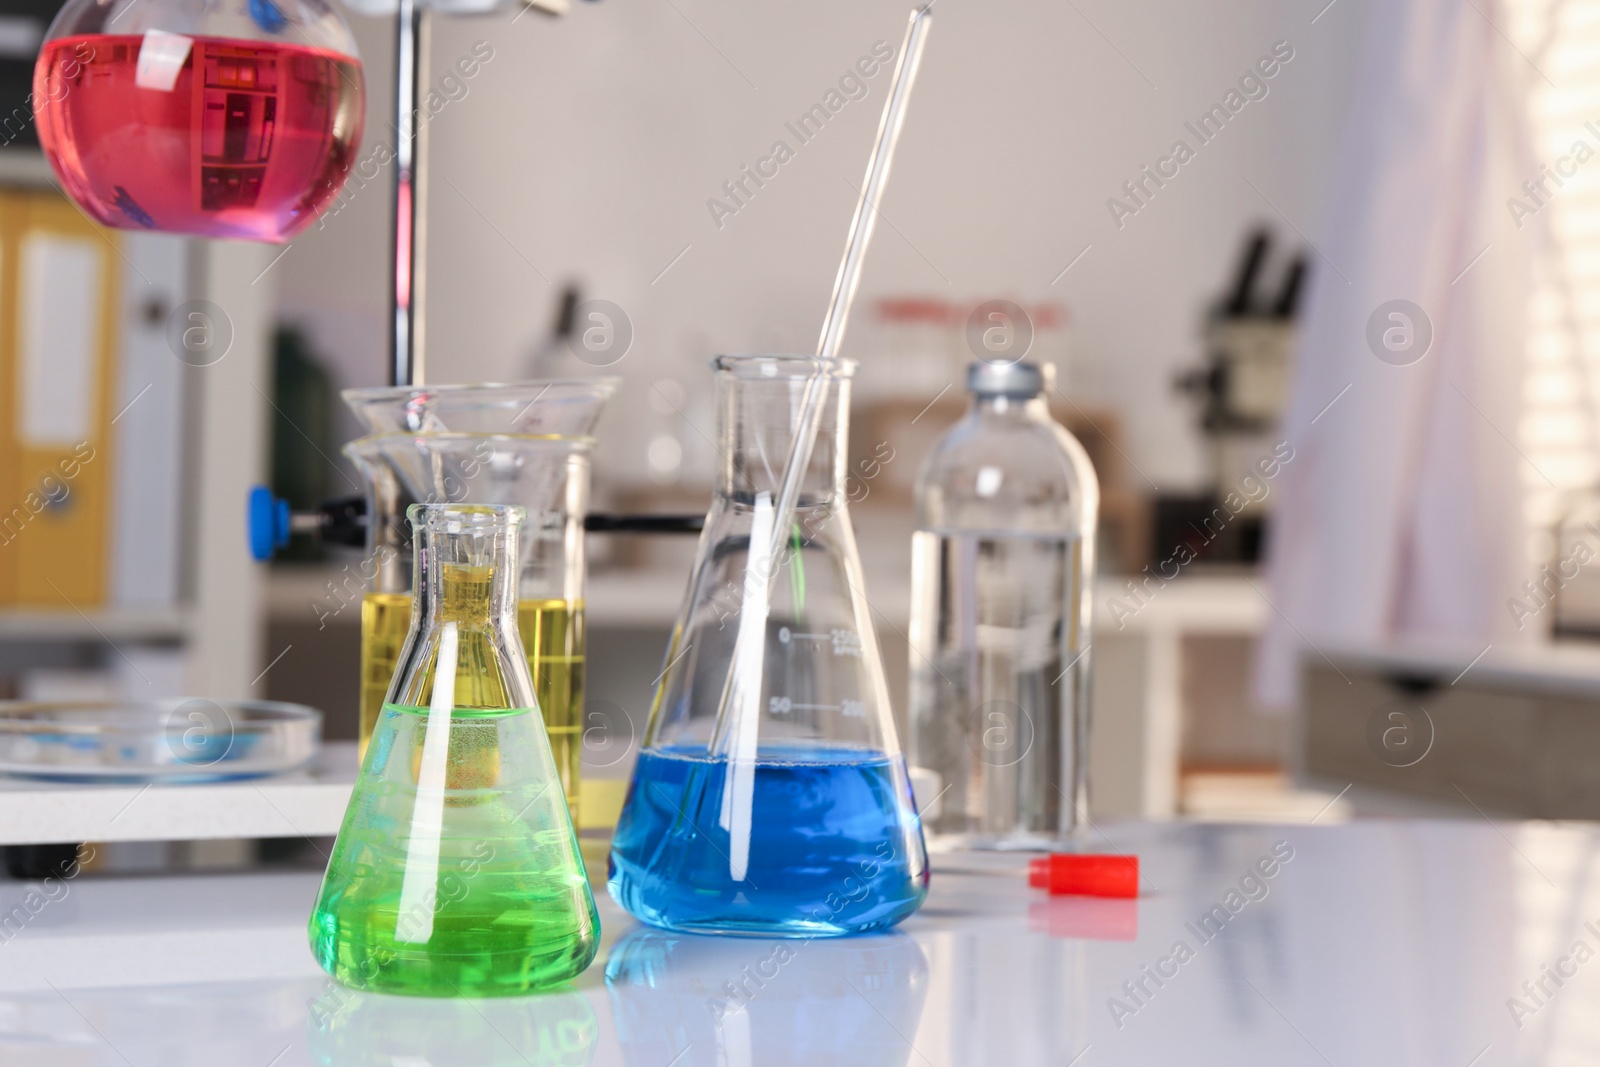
252 140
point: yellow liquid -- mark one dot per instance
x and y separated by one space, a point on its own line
385 620
552 638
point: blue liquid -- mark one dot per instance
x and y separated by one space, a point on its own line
835 844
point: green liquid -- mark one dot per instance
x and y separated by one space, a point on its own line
505 908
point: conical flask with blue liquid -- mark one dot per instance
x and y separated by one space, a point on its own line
457 871
770 795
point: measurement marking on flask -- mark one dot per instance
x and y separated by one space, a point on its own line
855 709
845 642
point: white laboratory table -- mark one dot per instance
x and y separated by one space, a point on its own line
1385 942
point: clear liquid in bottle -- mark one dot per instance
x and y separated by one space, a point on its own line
985 680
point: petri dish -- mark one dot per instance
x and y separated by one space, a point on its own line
194 740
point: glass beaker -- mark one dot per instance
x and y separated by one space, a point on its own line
791 814
549 478
222 118
457 871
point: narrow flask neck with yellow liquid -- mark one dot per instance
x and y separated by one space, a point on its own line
465 617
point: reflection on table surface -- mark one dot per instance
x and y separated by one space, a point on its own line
1395 942
751 1001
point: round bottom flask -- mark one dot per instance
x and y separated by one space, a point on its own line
220 118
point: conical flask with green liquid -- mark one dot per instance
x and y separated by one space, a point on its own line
457 871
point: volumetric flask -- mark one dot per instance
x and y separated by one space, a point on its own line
790 814
222 118
457 871
546 476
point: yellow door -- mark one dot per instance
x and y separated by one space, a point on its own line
58 275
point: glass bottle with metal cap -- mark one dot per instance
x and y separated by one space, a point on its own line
1002 566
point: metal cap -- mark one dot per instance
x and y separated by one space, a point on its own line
1022 381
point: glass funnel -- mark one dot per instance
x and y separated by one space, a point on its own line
793 815
569 407
221 118
546 476
457 871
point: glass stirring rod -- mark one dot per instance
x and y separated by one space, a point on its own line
740 681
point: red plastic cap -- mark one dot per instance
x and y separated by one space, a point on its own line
1039 872
1083 875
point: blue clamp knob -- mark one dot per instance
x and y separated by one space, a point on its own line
268 522
267 15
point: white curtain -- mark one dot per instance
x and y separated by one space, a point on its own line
1402 515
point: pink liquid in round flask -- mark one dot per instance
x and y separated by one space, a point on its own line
245 134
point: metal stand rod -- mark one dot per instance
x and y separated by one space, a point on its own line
411 41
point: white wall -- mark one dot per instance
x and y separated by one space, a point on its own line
588 146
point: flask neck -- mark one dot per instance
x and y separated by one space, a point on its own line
758 419
467 574
464 650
